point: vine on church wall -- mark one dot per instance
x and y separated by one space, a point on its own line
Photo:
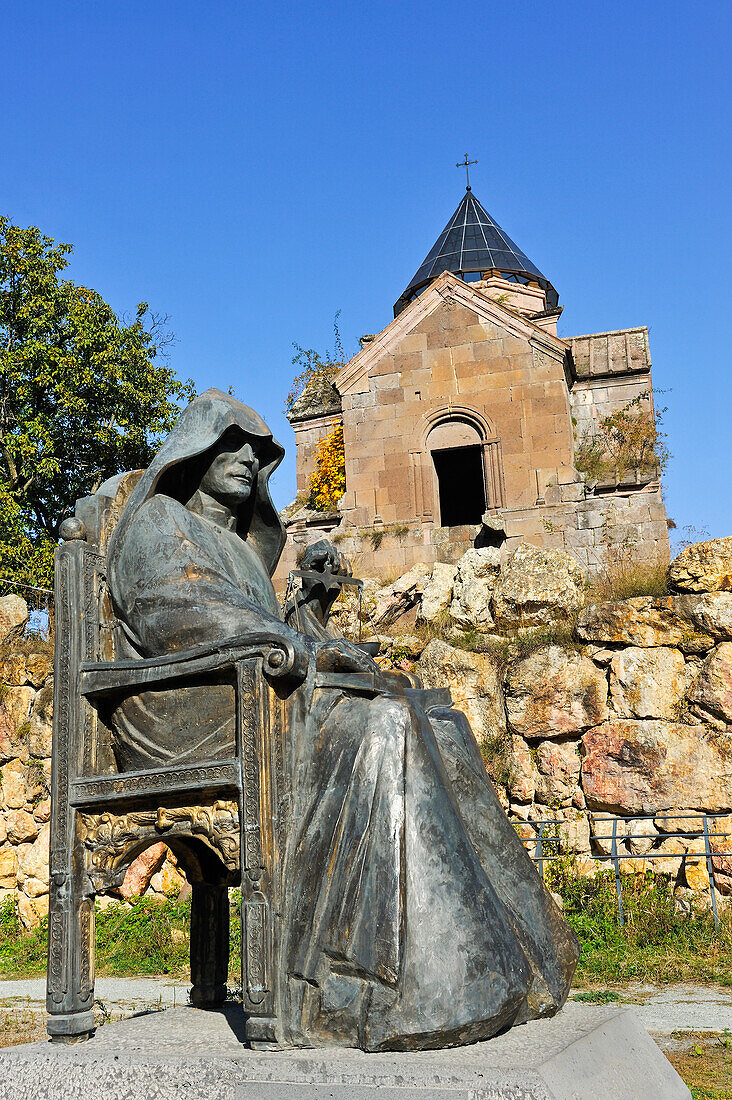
328 482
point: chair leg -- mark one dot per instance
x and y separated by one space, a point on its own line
209 945
70 976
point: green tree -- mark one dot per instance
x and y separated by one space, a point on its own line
84 394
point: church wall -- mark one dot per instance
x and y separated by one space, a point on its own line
596 530
450 362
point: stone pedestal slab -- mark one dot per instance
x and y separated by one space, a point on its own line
584 1053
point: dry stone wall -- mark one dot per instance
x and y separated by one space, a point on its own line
584 713
631 715
26 715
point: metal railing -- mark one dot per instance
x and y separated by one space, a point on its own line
548 845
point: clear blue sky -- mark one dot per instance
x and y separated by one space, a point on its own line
249 169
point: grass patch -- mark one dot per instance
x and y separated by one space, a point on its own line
704 1061
506 648
145 938
597 996
654 942
628 577
21 1025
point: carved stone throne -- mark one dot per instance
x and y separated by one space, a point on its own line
223 819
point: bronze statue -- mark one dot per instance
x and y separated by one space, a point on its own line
410 915
414 917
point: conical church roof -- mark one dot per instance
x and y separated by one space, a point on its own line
473 242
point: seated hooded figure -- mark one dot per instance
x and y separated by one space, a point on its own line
414 917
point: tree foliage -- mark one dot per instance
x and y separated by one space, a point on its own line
83 395
314 368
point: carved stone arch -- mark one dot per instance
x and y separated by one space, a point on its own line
203 838
450 428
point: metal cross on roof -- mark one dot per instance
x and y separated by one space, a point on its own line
466 165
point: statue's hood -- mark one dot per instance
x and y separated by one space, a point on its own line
173 473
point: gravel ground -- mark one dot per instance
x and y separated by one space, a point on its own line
119 996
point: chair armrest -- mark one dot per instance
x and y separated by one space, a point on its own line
280 659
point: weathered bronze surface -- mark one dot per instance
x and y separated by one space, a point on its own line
387 902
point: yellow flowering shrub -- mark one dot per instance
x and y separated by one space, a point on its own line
328 483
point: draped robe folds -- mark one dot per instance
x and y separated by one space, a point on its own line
414 916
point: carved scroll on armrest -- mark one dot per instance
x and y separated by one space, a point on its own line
280 659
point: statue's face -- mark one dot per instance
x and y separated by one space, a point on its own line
233 470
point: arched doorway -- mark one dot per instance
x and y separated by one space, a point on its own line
456 448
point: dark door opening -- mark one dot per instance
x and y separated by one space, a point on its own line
461 488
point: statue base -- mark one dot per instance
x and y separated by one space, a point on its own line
584 1053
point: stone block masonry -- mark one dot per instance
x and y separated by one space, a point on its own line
459 373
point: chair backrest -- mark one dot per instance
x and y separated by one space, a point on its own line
99 514
85 620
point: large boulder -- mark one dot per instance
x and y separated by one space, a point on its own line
8 868
13 790
474 682
537 587
141 870
33 873
703 567
522 773
711 693
40 734
639 767
438 591
13 617
21 826
475 580
555 692
647 683
32 910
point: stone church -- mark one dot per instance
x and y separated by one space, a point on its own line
462 419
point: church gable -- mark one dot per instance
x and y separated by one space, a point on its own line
454 381
464 316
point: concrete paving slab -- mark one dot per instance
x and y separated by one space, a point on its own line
584 1053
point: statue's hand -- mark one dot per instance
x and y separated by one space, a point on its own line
340 655
323 556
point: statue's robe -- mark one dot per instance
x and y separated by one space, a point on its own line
413 917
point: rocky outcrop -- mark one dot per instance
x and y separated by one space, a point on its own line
638 767
647 683
703 567
438 592
401 597
474 681
632 717
13 617
485 591
710 695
